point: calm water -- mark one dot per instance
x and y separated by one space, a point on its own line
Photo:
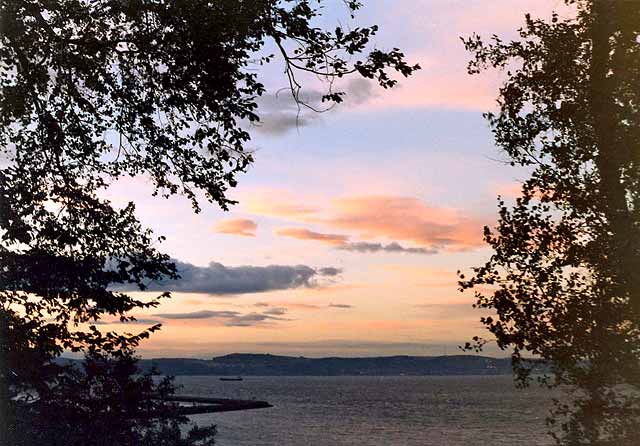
368 411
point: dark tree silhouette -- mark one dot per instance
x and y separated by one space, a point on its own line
567 255
93 91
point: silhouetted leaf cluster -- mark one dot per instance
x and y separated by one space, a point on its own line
566 256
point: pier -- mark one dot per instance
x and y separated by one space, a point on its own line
211 405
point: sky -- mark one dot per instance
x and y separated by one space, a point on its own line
351 224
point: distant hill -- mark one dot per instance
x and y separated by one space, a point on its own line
272 365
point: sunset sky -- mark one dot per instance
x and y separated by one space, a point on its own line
352 223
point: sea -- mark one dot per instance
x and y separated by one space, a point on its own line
376 411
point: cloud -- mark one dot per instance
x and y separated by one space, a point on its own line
340 241
217 279
365 247
330 271
359 91
250 320
139 321
305 234
408 219
283 307
277 311
280 122
238 226
261 304
228 318
204 314
395 218
279 112
300 306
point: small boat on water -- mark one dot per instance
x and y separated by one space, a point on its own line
231 378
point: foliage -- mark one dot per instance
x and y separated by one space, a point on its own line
566 256
94 91
106 402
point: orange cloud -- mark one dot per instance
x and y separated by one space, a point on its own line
395 218
408 219
238 226
305 234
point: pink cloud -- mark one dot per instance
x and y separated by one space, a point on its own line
408 219
238 226
395 218
305 234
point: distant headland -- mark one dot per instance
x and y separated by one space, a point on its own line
248 364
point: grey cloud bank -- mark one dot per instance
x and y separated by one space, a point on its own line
228 318
279 112
204 314
365 247
218 279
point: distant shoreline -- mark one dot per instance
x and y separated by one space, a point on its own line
253 364
246 364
